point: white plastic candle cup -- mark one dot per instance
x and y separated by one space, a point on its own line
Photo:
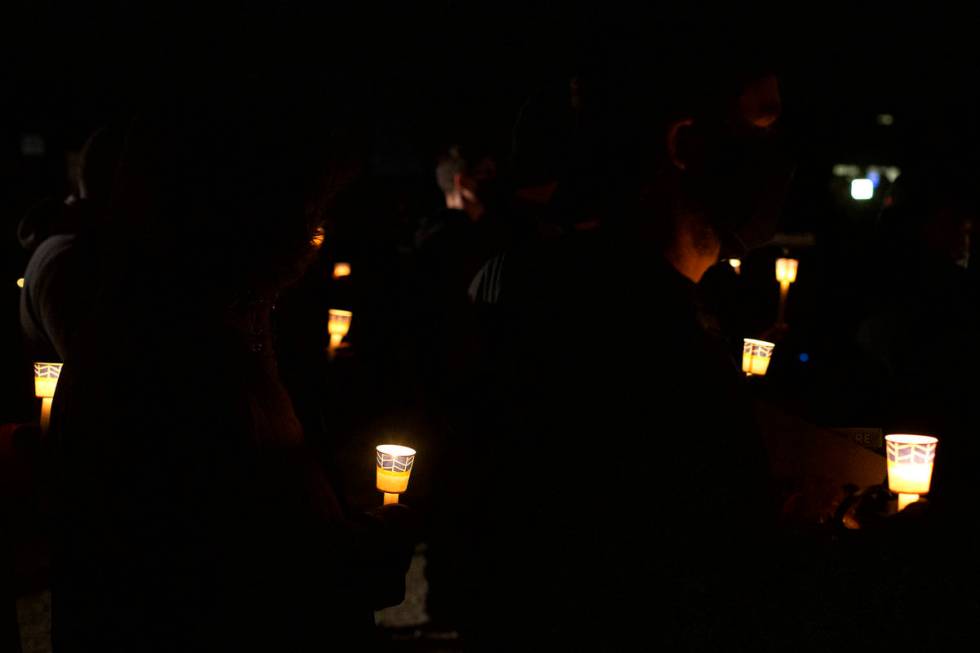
786 269
394 467
338 324
46 379
755 356
910 461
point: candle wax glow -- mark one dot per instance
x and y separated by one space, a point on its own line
755 356
904 500
757 365
394 482
338 323
317 240
45 387
45 414
786 270
910 462
394 468
46 378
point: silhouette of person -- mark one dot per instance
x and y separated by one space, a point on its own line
189 513
61 276
556 185
620 481
924 317
450 247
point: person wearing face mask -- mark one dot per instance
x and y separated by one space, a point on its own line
627 498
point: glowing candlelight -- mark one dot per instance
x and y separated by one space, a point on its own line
338 325
20 282
755 356
786 269
341 270
910 461
317 239
736 264
394 468
45 382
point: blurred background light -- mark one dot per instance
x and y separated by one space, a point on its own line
862 189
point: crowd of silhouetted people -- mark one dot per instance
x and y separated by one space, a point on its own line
554 330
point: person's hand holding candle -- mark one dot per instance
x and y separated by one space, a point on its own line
387 536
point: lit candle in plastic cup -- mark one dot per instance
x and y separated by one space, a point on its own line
45 382
338 324
394 468
786 269
910 461
755 356
341 270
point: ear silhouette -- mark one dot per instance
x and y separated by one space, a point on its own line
676 137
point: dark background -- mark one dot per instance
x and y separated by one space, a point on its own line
405 76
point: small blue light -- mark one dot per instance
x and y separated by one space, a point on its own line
875 178
804 357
